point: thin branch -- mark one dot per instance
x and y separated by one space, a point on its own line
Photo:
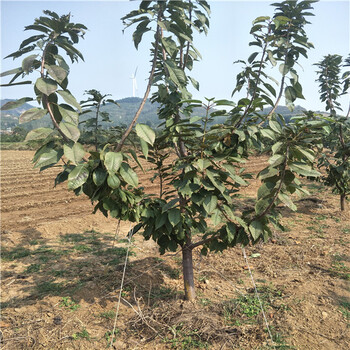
148 89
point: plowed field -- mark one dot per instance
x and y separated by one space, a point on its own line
62 268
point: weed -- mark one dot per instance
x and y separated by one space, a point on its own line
84 334
162 293
49 287
73 237
69 304
339 269
58 273
346 230
14 254
205 301
34 242
82 248
321 217
33 268
109 315
345 310
108 335
186 340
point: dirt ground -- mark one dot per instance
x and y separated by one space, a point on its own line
62 268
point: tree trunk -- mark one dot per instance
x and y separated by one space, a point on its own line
342 202
187 269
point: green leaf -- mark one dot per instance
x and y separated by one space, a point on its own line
99 176
202 164
113 161
303 169
210 203
275 126
284 69
113 181
144 132
309 154
32 114
170 204
69 98
46 86
57 73
231 231
261 206
216 217
74 153
49 156
144 148
15 104
128 175
38 134
277 146
68 114
277 159
287 201
11 72
27 63
70 130
267 172
174 216
266 189
256 229
77 177
290 93
268 133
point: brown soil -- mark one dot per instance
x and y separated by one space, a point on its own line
62 268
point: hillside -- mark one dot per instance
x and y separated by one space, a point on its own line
119 115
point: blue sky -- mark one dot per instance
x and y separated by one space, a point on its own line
111 59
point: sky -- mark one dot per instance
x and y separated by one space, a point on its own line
111 58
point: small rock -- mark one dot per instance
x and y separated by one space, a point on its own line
57 320
324 315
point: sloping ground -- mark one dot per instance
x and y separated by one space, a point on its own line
62 269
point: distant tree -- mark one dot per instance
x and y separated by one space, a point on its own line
94 129
337 163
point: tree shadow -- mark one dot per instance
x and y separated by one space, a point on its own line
86 266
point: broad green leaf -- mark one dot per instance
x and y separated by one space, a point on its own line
74 153
145 133
203 164
284 69
267 172
303 169
128 175
309 154
38 134
68 114
77 177
268 133
256 229
277 159
261 206
287 201
144 148
275 126
174 216
69 98
113 160
277 146
99 176
266 189
15 104
48 157
113 181
170 204
210 203
290 93
57 73
11 72
32 114
231 231
216 217
27 63
70 130
46 86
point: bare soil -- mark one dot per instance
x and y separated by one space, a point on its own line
62 268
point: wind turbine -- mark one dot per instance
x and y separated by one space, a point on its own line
134 83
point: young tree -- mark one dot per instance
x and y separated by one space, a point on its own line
195 206
337 163
96 100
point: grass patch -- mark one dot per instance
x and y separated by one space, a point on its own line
69 303
186 340
108 315
49 287
33 268
15 253
339 269
83 334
